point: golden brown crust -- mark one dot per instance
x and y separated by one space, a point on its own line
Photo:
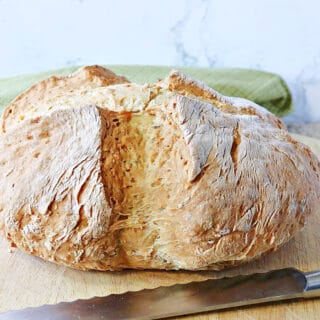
178 82
45 90
57 208
186 178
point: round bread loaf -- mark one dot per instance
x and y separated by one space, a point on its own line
99 173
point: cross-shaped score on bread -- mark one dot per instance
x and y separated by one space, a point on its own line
99 173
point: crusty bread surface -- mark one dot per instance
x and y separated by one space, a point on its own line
100 173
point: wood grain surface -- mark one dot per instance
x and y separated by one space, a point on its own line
29 281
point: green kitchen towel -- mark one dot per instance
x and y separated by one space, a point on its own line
266 89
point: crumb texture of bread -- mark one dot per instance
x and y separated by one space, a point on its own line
109 175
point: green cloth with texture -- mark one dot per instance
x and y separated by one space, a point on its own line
266 89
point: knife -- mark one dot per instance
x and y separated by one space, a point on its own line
183 299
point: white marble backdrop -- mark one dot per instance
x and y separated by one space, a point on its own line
281 36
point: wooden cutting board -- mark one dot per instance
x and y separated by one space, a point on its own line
29 281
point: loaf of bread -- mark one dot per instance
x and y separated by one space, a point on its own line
100 173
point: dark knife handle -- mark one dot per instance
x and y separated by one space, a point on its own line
312 288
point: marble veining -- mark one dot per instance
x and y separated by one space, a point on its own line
277 36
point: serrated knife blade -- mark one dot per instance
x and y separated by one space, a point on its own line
182 299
